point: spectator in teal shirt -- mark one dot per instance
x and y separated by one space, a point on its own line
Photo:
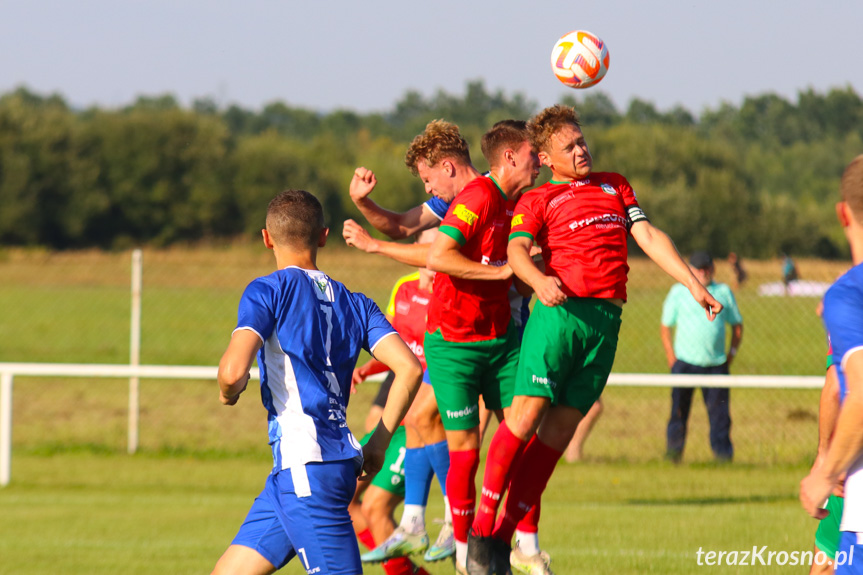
699 348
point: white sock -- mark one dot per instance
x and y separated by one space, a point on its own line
447 513
413 519
528 543
461 553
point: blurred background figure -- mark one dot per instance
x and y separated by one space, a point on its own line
789 271
736 263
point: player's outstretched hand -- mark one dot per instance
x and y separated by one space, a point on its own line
814 490
355 235
548 291
362 183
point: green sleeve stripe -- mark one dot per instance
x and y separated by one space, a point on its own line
454 233
521 235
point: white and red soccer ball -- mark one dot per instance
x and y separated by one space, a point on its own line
579 59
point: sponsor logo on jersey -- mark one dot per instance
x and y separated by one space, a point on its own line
420 300
465 215
403 308
518 220
486 261
417 348
605 221
560 199
608 189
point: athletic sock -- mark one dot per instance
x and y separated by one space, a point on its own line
418 476
399 566
461 553
528 543
438 454
530 522
367 539
504 450
461 490
413 519
447 510
529 481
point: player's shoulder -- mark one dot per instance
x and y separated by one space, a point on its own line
849 286
479 186
436 206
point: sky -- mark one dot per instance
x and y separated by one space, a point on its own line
364 56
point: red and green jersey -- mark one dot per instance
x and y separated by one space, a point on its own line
474 310
409 309
582 228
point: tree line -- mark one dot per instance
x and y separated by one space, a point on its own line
758 179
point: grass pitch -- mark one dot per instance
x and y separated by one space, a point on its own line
86 513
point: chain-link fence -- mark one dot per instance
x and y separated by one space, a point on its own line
75 308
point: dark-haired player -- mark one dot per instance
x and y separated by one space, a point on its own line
307 331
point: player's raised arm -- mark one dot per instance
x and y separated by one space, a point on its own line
394 224
659 247
411 254
233 374
392 351
445 256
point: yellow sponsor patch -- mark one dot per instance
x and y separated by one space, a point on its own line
464 214
518 220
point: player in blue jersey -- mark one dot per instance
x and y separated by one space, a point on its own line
307 331
843 319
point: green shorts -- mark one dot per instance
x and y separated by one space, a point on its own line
462 371
567 351
827 535
391 477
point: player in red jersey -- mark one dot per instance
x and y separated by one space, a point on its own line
469 349
581 221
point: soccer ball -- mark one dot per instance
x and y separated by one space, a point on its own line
579 59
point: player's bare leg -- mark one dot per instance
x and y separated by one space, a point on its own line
574 451
242 560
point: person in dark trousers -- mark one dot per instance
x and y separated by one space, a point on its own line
699 348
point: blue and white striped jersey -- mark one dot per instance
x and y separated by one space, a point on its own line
313 329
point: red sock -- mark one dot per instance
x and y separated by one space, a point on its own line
528 483
366 539
530 522
504 450
399 566
461 490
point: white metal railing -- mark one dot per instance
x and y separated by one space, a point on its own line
8 371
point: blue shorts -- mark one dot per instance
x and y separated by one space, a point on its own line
304 511
849 554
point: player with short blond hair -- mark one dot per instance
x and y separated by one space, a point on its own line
581 220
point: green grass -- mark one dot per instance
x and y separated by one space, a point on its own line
79 505
79 513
